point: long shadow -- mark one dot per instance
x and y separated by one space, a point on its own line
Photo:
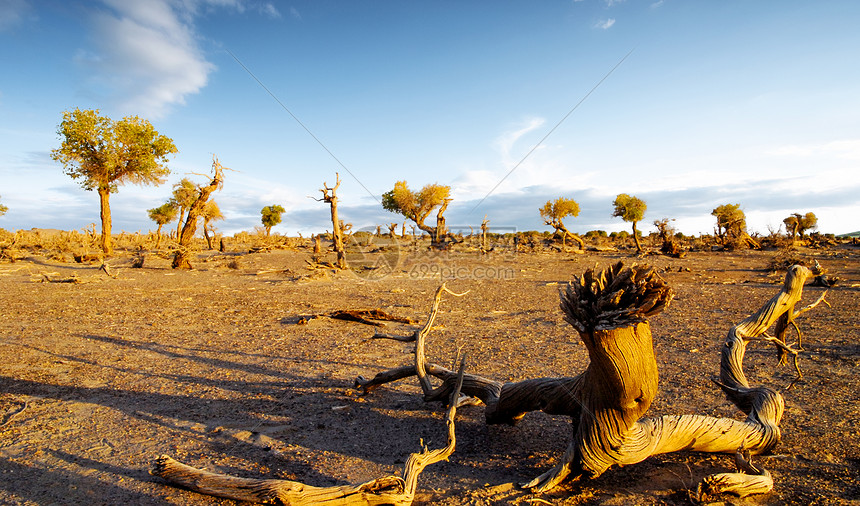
60 486
294 412
56 265
298 411
184 353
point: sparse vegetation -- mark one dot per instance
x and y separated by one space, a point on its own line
732 227
797 224
554 211
103 154
271 216
417 206
162 215
630 209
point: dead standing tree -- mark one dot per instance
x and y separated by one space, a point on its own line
606 403
181 259
330 198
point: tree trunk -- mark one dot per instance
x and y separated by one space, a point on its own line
330 197
179 225
158 236
437 236
565 233
104 213
207 235
485 227
181 259
636 238
610 310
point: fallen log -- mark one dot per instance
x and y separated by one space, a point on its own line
393 490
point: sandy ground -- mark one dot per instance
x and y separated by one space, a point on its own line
99 377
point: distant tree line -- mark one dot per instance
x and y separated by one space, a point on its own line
103 154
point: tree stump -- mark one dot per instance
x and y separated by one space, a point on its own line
606 402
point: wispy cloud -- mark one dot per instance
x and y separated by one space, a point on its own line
505 142
657 4
146 56
12 12
605 24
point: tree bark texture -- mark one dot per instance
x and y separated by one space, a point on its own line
104 214
607 402
330 197
441 230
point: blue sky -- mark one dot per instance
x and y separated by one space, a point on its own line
754 103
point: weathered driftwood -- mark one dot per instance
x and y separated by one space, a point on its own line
606 402
393 490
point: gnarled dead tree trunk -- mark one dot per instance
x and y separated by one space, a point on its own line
330 198
606 402
181 259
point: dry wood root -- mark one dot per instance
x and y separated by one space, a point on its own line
610 311
394 490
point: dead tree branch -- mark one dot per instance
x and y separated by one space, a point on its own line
390 490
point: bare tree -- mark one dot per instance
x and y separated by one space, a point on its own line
330 198
669 246
485 226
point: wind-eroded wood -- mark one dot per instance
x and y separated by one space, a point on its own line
610 310
392 490
182 257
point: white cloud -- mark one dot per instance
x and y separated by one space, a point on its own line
146 56
12 13
657 4
606 24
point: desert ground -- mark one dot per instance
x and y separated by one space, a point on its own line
224 368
